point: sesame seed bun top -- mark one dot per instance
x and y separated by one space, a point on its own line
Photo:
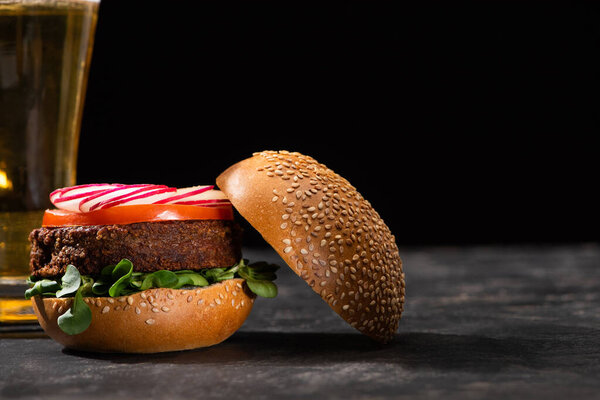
326 232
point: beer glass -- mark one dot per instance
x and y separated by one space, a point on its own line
45 52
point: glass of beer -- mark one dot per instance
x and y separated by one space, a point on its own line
45 53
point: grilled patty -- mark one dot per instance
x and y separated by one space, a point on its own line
172 245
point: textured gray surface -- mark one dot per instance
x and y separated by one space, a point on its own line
479 322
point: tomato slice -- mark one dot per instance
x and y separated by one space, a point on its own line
135 213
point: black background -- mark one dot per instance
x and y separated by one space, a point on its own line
461 122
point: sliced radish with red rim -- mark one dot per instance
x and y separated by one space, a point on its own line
89 197
120 196
144 198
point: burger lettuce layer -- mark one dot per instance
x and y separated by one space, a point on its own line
120 280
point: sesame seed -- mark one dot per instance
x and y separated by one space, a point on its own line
137 310
150 321
105 309
155 309
165 308
356 226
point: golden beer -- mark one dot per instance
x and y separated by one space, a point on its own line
45 52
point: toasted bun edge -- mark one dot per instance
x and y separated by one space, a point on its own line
155 320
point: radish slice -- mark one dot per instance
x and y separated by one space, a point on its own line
59 192
208 197
185 194
90 202
55 194
85 198
72 203
144 198
86 187
69 198
79 191
145 191
75 194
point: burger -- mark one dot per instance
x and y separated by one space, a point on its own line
142 268
149 268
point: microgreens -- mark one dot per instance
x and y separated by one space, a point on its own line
119 280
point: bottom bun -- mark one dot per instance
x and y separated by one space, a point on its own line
156 320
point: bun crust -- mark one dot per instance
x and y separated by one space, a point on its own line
156 320
326 232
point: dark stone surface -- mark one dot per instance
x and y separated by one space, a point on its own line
479 322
